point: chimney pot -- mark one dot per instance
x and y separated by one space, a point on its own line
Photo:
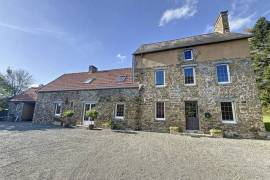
222 23
92 69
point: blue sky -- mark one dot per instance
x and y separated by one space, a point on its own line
52 37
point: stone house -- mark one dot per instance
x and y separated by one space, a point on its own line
194 83
21 107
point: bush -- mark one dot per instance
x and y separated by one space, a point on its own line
92 114
67 122
68 113
267 126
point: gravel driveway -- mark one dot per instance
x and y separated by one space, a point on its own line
43 152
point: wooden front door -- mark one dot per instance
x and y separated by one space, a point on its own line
191 112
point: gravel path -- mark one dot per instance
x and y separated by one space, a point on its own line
42 152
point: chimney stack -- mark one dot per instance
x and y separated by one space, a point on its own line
92 69
222 23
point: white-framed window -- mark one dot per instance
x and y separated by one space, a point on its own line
227 112
120 111
160 111
160 77
188 55
190 76
88 107
57 108
223 74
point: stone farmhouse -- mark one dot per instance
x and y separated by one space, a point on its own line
195 83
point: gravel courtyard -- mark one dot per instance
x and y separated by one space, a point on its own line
43 152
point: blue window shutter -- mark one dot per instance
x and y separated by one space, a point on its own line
222 73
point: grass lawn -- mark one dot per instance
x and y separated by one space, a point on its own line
266 116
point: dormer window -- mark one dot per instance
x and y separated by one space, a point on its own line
88 81
188 55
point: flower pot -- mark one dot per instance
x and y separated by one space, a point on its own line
216 133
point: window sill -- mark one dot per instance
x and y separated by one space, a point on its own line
57 115
189 84
119 118
229 122
187 60
224 83
161 86
160 119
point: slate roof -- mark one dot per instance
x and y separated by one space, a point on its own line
115 78
190 41
29 95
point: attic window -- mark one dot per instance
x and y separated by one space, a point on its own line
121 78
88 81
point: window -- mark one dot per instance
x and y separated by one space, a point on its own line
17 107
119 112
189 73
223 73
160 77
160 111
227 111
121 78
88 81
188 56
57 109
88 107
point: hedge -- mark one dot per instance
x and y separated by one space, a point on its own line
267 126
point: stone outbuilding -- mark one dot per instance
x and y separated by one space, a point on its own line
22 106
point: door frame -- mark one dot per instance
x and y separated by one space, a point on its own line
197 116
84 104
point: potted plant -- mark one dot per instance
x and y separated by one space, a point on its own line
93 115
216 132
67 118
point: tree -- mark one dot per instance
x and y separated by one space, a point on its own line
260 55
18 80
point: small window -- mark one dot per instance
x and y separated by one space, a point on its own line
160 77
71 105
119 112
227 111
160 111
223 74
189 73
88 81
188 55
17 107
121 78
57 109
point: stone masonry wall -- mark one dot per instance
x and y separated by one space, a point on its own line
105 101
207 92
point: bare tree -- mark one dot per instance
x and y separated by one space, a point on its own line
18 80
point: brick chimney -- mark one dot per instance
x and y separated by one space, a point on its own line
92 69
222 23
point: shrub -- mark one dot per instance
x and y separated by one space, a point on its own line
267 126
92 114
67 118
68 113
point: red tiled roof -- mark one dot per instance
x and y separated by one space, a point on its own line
29 95
100 80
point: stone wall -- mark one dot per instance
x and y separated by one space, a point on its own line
207 92
105 100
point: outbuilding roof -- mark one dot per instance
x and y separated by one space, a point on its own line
115 78
30 95
190 41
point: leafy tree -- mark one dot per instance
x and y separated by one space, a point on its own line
260 55
18 80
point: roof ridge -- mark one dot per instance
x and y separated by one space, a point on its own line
100 71
179 38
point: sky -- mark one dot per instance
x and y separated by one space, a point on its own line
51 37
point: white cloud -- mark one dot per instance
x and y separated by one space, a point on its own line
121 58
188 9
208 29
239 23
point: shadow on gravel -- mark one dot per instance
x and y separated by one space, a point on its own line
125 131
25 126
